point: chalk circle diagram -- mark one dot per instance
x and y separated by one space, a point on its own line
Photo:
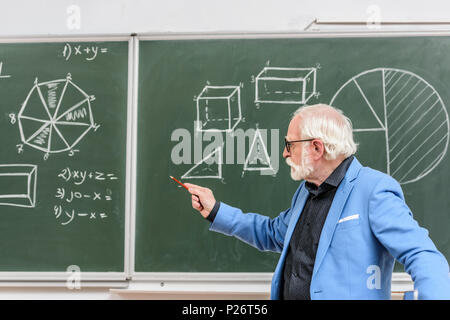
407 109
55 116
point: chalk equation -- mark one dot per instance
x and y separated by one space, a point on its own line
78 177
68 215
89 53
83 194
71 195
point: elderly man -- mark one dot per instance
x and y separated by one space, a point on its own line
345 226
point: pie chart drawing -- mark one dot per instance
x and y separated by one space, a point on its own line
55 116
407 109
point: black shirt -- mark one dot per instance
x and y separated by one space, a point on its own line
303 246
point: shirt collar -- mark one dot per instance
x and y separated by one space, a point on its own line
333 180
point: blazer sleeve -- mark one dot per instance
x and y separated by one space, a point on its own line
393 225
259 231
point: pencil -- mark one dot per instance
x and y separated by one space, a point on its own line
174 179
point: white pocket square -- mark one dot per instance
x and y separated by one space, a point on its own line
353 217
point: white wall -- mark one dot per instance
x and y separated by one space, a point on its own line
55 17
22 18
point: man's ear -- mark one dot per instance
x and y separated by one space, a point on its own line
318 148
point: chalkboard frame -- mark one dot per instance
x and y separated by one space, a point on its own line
401 279
97 279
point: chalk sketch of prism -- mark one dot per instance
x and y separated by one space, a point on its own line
285 85
210 167
219 108
18 185
257 158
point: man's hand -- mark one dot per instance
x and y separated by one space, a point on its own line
202 199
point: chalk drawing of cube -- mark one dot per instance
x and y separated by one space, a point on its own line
219 108
18 185
285 85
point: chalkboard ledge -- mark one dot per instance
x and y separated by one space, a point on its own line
189 295
61 277
204 276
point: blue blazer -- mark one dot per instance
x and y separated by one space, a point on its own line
367 227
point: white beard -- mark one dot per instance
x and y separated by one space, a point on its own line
300 172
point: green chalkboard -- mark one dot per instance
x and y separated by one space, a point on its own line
63 162
199 99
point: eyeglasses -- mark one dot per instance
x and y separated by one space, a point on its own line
289 143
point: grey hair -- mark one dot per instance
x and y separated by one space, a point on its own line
331 126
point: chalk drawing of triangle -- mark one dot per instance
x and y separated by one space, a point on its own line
257 159
203 170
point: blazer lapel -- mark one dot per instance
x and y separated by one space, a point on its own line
335 211
296 212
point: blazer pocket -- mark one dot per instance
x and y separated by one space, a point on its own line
348 222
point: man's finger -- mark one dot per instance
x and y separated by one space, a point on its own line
196 205
197 187
196 191
196 202
191 185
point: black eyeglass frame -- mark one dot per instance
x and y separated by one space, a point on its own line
287 143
